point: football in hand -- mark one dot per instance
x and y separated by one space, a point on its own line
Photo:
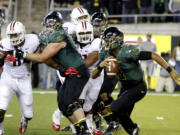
112 68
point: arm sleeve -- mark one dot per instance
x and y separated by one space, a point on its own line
145 55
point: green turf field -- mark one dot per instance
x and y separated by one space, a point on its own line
157 115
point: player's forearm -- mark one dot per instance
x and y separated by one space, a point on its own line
51 63
91 59
36 57
96 72
160 60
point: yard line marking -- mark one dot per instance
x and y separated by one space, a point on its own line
160 118
114 93
8 115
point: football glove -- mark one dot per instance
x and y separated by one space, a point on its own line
19 54
2 61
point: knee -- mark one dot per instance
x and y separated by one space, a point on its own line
104 96
2 113
116 106
71 108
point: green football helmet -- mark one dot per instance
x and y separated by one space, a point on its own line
113 38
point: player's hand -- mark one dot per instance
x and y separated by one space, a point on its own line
104 63
1 62
19 54
175 76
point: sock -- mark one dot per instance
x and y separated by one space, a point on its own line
57 116
81 126
1 126
73 129
89 120
98 120
108 117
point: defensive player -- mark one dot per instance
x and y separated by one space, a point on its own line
131 76
89 47
72 68
16 76
77 15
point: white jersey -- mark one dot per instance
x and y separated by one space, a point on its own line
91 89
18 68
69 27
85 51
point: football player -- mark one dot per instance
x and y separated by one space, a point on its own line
77 15
58 45
88 47
131 76
16 76
99 22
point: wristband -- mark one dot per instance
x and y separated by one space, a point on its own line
169 69
99 68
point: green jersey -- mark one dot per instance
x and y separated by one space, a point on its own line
129 67
68 56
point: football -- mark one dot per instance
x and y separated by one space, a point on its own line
112 68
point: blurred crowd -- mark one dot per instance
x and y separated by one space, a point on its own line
127 7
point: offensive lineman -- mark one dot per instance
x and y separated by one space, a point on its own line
77 15
16 76
58 46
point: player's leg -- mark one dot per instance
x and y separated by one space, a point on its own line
91 97
6 94
106 98
123 106
56 117
68 96
25 96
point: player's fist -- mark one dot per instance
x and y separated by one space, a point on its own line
19 54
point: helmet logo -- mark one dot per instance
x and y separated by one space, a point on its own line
12 25
84 25
80 10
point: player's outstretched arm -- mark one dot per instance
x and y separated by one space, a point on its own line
46 54
174 75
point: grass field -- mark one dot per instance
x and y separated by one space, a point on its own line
156 114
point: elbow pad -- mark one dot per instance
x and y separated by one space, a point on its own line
145 55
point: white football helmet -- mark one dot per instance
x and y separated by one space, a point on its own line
84 32
16 33
79 14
